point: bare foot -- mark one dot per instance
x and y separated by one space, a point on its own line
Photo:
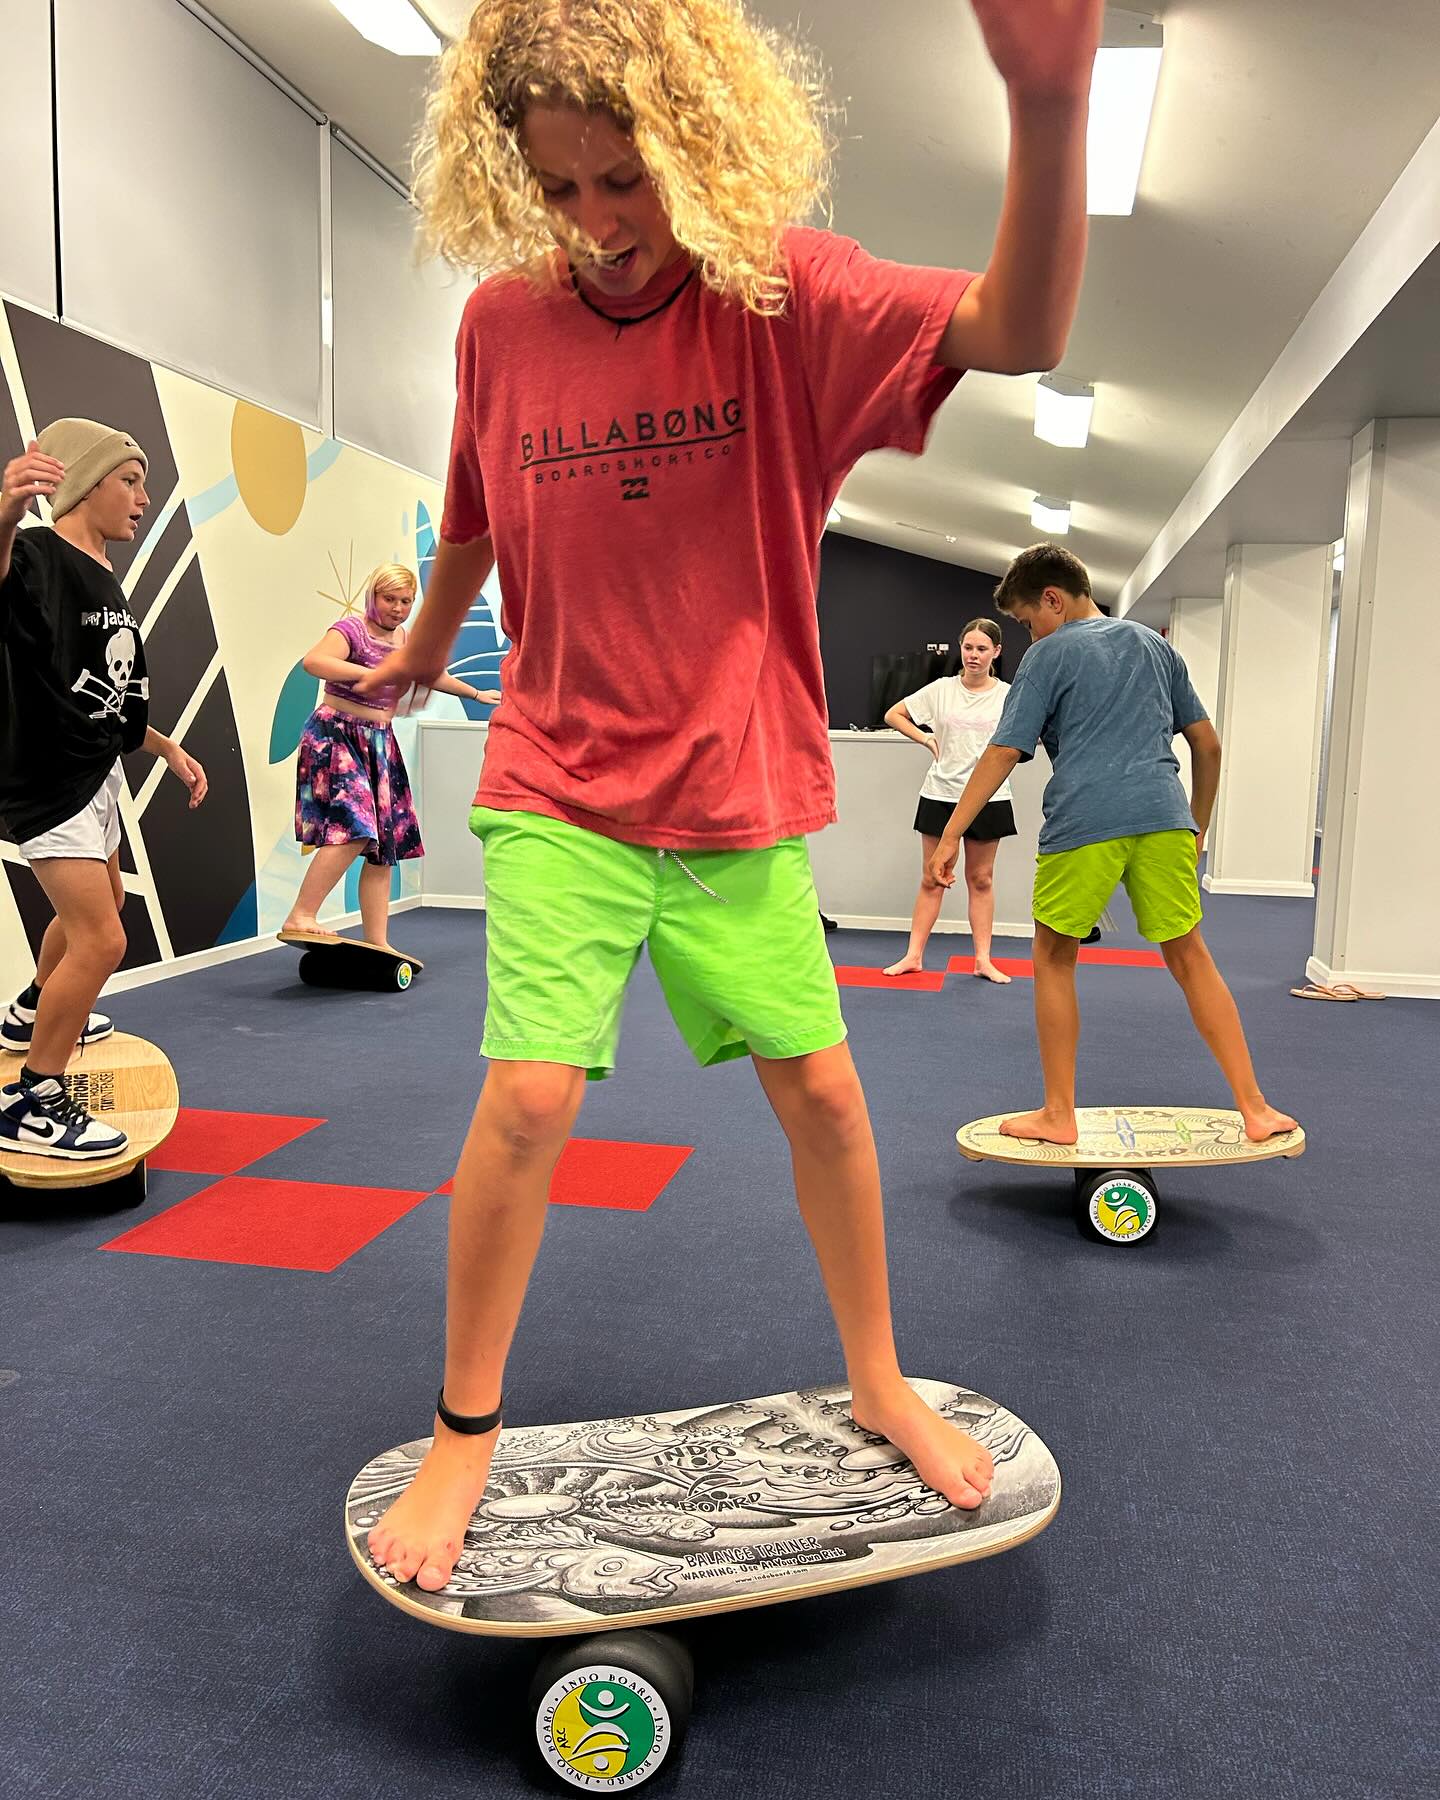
1051 1126
945 1458
1263 1122
419 1537
987 969
907 965
387 946
311 927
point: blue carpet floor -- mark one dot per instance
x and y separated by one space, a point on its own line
1232 1602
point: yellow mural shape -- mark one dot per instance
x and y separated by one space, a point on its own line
268 454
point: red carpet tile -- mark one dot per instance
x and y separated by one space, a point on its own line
1124 959
312 1225
623 1177
926 982
221 1143
1017 967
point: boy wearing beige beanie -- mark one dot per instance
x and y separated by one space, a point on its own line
74 699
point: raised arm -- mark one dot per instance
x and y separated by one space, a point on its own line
1016 317
25 476
448 684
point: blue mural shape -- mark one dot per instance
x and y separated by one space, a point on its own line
244 922
482 644
297 701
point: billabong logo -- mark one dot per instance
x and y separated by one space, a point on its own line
663 427
603 1727
635 487
1122 1210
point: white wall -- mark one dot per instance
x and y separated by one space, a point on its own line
445 775
190 203
27 244
1273 660
1376 913
395 324
1196 628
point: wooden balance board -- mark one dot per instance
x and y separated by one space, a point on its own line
1117 1152
637 1521
329 960
125 1082
612 1527
1132 1137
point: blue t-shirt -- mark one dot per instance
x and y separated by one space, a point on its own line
1106 698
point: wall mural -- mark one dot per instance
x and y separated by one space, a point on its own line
260 533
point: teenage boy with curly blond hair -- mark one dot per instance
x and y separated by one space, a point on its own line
662 385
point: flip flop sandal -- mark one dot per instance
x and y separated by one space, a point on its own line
1347 990
1318 992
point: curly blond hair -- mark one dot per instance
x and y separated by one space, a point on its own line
728 116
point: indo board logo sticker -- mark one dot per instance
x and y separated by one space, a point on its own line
603 1727
1122 1211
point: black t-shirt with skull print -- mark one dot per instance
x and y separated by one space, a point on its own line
73 690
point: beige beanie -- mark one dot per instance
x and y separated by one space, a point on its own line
89 452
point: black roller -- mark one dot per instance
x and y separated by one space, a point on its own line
1118 1207
611 1709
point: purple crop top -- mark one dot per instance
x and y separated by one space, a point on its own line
369 654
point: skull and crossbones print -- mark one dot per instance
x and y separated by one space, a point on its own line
111 690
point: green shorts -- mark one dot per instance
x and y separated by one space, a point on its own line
1159 872
743 967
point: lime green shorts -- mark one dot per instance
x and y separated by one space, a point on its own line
1159 872
741 960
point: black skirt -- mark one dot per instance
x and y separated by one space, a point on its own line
995 819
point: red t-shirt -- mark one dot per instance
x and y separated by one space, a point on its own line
656 495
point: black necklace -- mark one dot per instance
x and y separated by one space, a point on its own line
619 323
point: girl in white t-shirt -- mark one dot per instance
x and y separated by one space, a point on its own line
962 712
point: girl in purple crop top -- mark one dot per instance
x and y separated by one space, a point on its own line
352 794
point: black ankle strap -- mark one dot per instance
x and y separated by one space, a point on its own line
471 1425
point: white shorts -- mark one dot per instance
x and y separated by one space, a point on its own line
93 835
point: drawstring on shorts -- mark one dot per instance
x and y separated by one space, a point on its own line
662 854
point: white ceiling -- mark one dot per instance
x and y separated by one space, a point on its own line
1279 128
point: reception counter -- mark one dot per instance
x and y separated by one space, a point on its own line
867 867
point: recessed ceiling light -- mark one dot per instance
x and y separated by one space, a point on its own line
1063 410
1049 515
394 25
1122 99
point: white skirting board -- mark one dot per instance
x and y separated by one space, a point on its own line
455 902
228 953
1401 986
1281 890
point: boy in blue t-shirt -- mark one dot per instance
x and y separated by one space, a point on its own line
1106 697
